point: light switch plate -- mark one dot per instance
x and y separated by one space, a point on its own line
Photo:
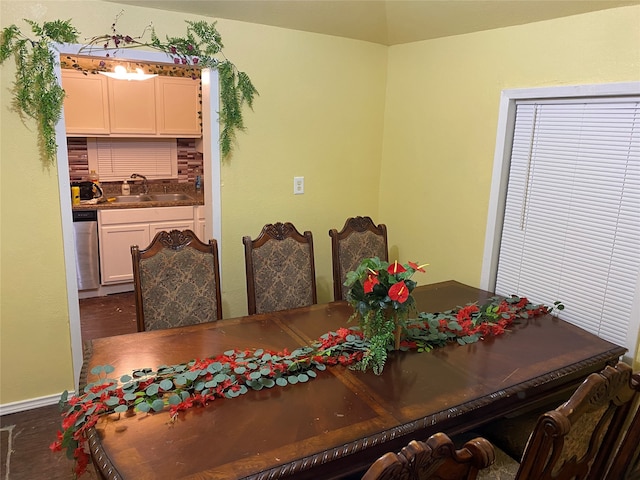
298 185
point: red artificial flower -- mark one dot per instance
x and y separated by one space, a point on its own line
82 460
396 267
465 312
497 329
343 332
99 388
55 447
370 282
399 292
70 420
343 360
416 267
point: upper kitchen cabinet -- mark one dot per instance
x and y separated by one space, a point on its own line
86 103
160 107
178 106
132 107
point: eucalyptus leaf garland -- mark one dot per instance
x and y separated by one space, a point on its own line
37 94
236 372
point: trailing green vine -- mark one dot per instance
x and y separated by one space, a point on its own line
36 92
38 95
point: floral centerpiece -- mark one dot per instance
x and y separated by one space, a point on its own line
380 293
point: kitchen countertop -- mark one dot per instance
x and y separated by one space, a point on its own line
197 199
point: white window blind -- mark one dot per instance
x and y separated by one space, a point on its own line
117 158
571 229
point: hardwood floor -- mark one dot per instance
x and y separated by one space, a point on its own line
108 316
25 436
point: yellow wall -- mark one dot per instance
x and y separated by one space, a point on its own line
441 117
330 109
319 115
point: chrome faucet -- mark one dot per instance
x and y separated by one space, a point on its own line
145 186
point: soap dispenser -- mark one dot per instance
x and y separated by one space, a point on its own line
126 188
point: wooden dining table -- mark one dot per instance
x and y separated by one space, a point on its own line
337 424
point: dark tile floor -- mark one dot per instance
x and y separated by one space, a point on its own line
25 436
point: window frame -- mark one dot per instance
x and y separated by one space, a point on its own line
500 176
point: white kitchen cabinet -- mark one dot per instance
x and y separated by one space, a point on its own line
178 106
200 223
115 250
86 103
132 106
120 229
155 228
163 106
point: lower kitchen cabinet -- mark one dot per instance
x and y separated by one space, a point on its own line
115 250
200 223
120 229
155 228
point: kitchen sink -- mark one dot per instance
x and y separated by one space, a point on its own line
133 198
170 197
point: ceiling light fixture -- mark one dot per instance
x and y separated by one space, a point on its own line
121 73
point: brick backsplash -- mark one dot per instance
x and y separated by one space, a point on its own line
188 160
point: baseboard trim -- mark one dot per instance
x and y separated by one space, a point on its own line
104 290
30 404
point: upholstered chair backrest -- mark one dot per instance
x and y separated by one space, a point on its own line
280 269
176 281
576 439
360 238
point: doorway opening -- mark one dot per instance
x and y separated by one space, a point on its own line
211 176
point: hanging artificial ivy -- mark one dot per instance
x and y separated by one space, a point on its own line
37 94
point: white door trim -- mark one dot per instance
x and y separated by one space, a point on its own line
211 173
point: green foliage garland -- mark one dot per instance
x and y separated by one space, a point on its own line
36 92
236 372
38 95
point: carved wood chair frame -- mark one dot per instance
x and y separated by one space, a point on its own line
352 225
437 458
274 232
601 404
175 240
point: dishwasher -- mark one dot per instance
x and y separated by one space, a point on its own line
85 232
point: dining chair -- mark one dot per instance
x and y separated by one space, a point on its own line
625 461
360 238
176 281
280 269
577 439
435 459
